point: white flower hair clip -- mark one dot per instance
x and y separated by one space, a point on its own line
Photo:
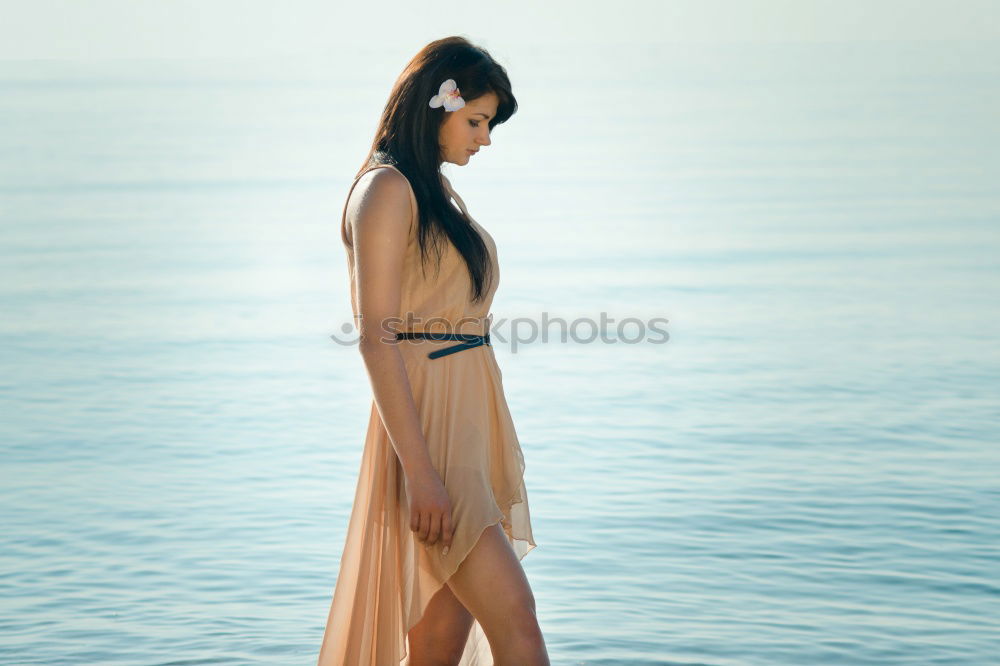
448 96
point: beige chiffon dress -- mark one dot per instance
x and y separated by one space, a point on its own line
387 576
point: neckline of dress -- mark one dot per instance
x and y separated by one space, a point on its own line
454 197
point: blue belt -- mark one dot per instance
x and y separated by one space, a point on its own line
469 341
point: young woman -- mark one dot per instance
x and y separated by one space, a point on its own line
430 573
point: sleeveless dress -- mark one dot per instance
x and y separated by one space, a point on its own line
387 576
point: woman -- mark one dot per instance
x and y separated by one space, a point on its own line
431 572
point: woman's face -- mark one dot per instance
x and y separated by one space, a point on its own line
467 130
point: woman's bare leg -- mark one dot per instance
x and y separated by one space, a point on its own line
491 584
439 638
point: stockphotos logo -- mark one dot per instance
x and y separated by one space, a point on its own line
522 330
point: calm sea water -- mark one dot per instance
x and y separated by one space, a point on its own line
806 473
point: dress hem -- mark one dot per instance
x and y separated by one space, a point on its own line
531 545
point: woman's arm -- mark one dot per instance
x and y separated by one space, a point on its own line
380 229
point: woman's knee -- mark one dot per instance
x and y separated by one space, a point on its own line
443 652
491 583
440 636
523 622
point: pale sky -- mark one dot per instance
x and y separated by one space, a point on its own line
98 29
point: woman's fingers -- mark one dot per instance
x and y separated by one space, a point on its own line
446 531
433 527
425 523
432 535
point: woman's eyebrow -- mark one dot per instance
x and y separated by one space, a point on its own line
480 113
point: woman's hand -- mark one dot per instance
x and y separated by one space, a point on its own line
430 510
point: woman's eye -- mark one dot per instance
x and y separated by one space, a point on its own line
474 123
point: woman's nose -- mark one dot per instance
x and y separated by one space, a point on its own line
485 138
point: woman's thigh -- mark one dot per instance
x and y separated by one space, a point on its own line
492 585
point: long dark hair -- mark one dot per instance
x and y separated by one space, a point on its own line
407 138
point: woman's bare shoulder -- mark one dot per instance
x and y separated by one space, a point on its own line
380 201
